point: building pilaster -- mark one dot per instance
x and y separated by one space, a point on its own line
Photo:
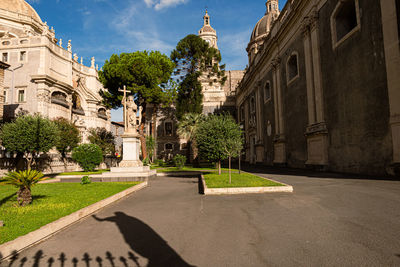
392 58
317 132
279 141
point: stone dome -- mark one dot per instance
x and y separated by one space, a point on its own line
20 7
262 28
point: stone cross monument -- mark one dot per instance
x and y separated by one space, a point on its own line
131 167
130 138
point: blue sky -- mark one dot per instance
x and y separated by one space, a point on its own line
101 28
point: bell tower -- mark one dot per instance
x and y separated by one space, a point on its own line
207 33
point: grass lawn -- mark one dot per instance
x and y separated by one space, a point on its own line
213 180
50 202
84 173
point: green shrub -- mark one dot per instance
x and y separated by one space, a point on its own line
86 180
146 162
159 162
88 156
179 161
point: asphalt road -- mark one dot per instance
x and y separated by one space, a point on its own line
325 222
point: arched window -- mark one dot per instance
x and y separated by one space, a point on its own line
292 68
345 21
102 114
59 98
169 146
267 91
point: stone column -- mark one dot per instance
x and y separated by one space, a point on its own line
392 58
279 141
43 99
316 133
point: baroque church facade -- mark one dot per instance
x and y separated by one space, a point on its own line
44 77
322 89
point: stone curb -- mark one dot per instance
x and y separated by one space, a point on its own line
246 190
30 239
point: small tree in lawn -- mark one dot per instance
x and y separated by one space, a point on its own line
104 139
69 138
23 180
88 156
29 136
219 137
150 146
233 145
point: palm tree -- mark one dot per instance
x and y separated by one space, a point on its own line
187 127
24 180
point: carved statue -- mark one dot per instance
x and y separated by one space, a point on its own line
130 111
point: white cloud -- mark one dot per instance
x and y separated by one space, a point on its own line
161 4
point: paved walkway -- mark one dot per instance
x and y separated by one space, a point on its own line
325 222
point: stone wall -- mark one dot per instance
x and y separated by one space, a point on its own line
356 94
336 114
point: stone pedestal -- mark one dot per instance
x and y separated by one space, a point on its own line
130 166
130 151
317 144
279 150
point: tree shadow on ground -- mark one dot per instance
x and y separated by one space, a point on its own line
7 198
145 241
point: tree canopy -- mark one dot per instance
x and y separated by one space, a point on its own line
69 137
145 74
194 57
30 135
104 139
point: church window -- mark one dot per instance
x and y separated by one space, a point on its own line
22 56
267 92
168 128
5 96
242 113
102 114
292 68
252 105
345 21
21 96
207 21
169 146
4 57
184 146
